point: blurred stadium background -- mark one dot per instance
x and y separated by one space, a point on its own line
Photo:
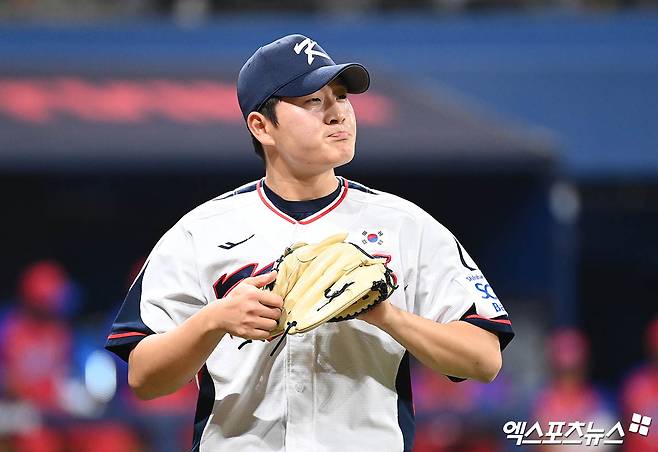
528 127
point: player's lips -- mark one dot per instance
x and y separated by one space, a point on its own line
341 135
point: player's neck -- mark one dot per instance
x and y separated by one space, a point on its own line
300 188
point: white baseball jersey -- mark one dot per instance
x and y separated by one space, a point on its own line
342 386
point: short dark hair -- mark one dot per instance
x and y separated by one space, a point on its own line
269 111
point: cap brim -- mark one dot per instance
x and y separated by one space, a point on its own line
354 75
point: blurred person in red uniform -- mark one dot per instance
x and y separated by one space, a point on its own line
37 339
36 366
640 395
35 350
569 396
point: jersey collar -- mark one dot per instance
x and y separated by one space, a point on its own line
310 219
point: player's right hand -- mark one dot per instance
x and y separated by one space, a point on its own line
248 311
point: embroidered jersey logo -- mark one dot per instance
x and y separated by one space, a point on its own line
310 53
372 237
228 281
229 245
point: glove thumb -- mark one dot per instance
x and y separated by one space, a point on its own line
260 280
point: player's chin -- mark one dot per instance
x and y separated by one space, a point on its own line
341 153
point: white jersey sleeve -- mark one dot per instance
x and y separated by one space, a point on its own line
164 294
449 285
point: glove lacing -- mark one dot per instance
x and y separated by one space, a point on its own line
283 336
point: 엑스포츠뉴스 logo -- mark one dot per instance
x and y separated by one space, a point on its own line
574 433
310 53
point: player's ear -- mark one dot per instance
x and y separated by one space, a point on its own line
260 128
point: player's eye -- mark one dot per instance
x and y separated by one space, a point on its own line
341 96
313 100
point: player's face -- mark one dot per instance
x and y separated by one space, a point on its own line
315 132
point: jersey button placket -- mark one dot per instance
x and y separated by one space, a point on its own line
299 429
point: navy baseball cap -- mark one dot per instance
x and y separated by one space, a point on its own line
293 66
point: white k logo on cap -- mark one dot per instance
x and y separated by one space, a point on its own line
309 44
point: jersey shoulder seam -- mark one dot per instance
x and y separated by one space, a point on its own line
217 209
241 190
395 202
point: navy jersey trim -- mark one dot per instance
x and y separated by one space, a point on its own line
406 416
461 256
501 326
272 207
128 328
299 210
204 406
357 186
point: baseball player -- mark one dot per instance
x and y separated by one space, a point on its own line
343 385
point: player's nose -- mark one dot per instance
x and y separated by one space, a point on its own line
335 114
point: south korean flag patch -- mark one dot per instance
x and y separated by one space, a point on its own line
374 237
